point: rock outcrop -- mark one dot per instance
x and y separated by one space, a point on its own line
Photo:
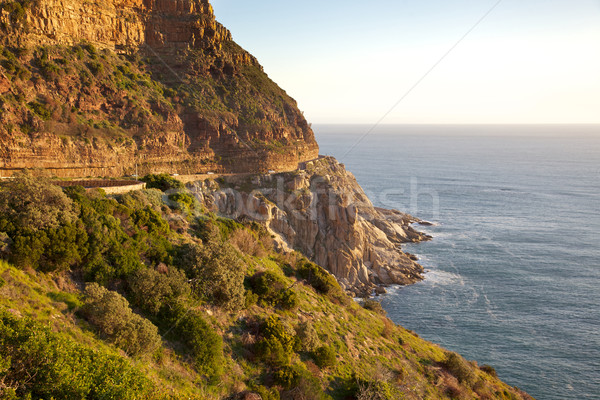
117 87
322 212
114 24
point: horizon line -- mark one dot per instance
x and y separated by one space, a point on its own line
463 123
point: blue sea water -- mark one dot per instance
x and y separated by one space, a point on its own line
514 267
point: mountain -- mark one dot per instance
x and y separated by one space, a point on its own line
100 88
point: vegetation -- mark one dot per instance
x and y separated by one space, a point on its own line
36 362
135 297
374 305
219 86
110 313
162 182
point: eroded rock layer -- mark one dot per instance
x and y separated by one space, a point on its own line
91 88
323 212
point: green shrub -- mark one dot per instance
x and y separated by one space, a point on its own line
488 369
152 290
216 272
184 201
95 68
289 300
204 344
227 226
33 204
40 110
374 306
266 394
49 70
150 221
318 278
460 368
162 182
35 362
323 282
41 224
299 384
110 313
325 357
207 229
286 376
91 49
272 290
277 343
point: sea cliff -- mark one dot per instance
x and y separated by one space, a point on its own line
321 211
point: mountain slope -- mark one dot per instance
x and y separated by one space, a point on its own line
98 88
185 304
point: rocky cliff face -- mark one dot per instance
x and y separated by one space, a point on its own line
114 24
321 211
105 88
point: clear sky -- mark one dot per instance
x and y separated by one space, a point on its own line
528 61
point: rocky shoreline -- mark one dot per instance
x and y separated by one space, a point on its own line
321 211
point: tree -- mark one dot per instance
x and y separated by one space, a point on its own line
162 182
29 203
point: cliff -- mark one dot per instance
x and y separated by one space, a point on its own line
103 88
321 211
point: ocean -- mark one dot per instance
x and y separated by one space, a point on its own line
513 275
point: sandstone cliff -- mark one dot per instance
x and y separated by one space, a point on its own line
102 88
322 212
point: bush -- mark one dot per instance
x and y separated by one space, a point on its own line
184 201
162 182
91 49
321 280
216 272
110 313
460 368
40 110
266 394
38 363
317 277
204 344
289 300
374 305
150 221
33 204
299 384
325 357
95 68
488 369
227 226
49 70
152 290
286 376
277 343
271 288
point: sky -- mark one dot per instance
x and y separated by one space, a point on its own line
427 62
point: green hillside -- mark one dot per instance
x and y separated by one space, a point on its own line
145 295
